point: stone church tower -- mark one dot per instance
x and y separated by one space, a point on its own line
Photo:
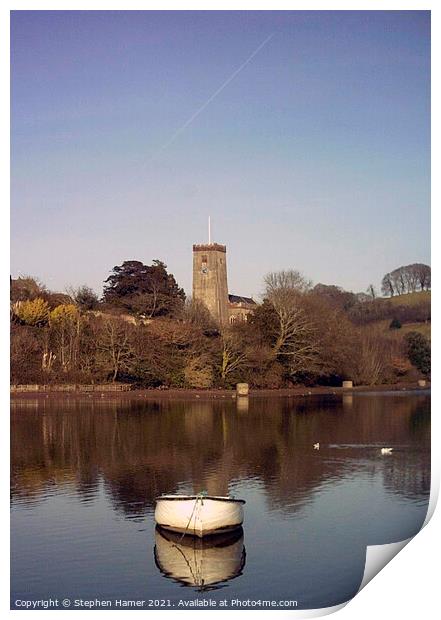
210 279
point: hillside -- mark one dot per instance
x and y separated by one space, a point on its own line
400 302
410 299
421 328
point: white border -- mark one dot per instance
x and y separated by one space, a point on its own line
408 585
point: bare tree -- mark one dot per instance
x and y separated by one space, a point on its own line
410 278
373 358
398 281
196 313
26 287
233 356
371 291
295 337
335 295
114 345
406 279
64 324
387 287
289 279
423 276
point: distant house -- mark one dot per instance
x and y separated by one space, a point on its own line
239 307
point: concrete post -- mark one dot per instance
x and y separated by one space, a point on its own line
242 389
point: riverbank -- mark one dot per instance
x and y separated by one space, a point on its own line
211 394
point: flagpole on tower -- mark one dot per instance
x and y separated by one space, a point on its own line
209 230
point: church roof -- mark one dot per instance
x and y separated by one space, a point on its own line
238 299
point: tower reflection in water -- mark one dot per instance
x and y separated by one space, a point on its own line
203 563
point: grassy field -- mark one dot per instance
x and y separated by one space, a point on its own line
421 328
410 299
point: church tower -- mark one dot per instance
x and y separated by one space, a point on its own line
210 279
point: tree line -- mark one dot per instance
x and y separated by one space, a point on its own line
407 279
146 332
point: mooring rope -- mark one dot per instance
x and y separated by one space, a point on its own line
194 576
199 496
197 576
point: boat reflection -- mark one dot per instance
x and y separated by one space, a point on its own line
204 563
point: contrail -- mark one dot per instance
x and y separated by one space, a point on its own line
210 99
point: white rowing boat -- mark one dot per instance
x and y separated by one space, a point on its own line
199 515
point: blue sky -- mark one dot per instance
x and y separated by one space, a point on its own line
316 156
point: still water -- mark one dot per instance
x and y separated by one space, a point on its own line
85 474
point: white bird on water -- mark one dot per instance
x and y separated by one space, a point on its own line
386 450
316 446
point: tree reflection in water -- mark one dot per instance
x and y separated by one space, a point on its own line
142 449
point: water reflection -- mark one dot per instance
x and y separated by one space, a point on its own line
242 404
204 563
85 474
348 401
143 449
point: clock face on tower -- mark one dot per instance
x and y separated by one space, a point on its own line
204 269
